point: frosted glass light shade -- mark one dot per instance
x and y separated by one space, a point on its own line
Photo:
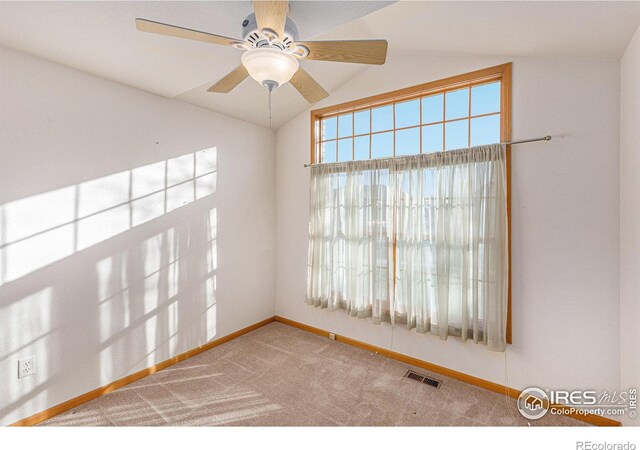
268 64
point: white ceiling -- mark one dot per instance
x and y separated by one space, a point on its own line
573 29
101 38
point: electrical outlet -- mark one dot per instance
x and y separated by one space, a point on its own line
332 336
26 366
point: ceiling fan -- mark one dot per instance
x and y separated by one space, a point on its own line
272 50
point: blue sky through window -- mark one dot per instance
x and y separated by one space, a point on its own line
408 141
432 138
382 118
485 99
456 134
432 108
456 104
329 151
361 147
382 145
345 125
345 147
362 121
485 130
329 128
408 113
454 119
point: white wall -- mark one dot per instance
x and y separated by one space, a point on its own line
103 297
565 242
630 218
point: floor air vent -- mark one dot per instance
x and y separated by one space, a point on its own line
423 379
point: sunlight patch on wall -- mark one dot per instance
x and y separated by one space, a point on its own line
212 265
173 326
157 293
39 230
213 242
211 307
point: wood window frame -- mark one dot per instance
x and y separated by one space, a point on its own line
500 73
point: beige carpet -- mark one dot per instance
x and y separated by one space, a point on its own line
281 376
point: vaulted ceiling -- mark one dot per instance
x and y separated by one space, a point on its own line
101 38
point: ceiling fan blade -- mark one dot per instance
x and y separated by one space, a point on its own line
362 52
271 15
231 80
186 33
308 87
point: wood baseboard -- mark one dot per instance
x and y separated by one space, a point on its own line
77 401
495 387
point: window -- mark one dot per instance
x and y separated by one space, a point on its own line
462 111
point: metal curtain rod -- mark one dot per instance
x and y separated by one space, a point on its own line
524 141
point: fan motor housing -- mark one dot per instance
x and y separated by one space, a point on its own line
256 39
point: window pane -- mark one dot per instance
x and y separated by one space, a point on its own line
456 134
329 128
408 141
432 108
345 147
485 130
382 145
361 148
345 125
362 121
457 104
485 98
408 113
382 118
432 138
329 151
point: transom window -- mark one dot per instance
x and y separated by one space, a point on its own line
434 117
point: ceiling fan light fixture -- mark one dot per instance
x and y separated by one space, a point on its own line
270 65
270 39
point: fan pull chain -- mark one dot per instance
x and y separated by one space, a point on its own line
270 85
270 108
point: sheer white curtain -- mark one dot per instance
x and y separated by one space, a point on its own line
350 238
446 213
451 244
